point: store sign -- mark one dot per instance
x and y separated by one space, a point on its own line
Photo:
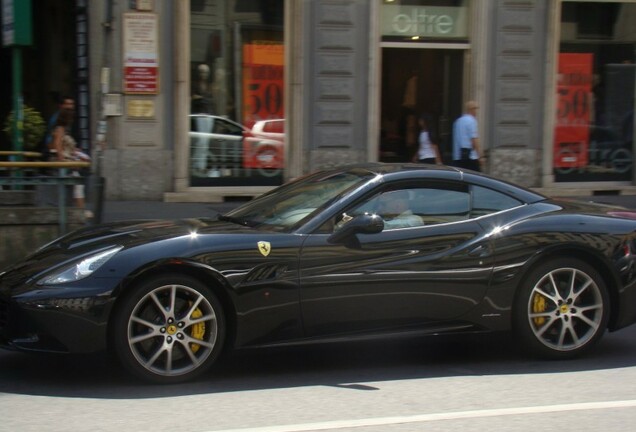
16 23
574 96
141 53
424 21
8 25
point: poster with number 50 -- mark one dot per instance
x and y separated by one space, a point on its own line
574 99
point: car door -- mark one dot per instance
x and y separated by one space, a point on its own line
403 277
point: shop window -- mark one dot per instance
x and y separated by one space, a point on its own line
237 81
594 127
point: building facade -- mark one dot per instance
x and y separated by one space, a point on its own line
176 86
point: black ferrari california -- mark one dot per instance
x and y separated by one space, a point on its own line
370 250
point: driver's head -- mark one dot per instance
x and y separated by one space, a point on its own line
394 202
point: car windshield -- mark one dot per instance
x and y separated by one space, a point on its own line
290 204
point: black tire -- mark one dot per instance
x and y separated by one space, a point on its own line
562 309
170 329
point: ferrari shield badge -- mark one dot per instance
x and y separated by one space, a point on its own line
264 248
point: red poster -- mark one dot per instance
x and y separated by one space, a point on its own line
574 96
263 82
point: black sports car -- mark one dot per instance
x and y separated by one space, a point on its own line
370 250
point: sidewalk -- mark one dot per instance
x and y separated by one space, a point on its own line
123 210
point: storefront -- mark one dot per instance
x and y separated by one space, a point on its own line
595 93
237 69
424 47
252 93
280 88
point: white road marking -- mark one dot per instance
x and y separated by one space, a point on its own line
383 421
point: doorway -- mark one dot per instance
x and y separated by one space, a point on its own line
418 81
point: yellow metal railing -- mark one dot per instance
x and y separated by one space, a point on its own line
27 154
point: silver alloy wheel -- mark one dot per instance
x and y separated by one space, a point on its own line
172 330
565 309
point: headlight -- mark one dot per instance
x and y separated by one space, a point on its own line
80 269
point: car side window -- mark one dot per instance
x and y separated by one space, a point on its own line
486 201
202 124
395 208
226 128
413 207
437 205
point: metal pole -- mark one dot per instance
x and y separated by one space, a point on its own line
18 112
97 183
61 202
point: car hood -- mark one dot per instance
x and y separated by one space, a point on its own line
127 234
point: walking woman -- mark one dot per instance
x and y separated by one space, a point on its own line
428 151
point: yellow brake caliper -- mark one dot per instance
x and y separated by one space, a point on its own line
538 306
197 331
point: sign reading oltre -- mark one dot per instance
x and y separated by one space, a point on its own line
141 53
424 22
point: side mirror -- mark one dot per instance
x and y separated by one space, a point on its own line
361 224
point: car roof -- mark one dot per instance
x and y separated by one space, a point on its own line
270 126
413 171
210 116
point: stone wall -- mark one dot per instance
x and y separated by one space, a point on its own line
517 86
337 103
137 174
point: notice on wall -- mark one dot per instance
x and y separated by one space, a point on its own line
574 101
263 82
141 108
141 53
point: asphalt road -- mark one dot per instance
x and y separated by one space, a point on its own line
467 383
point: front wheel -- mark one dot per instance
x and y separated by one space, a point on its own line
170 329
562 309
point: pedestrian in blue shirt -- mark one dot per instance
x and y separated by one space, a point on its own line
466 150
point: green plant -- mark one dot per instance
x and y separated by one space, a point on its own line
33 129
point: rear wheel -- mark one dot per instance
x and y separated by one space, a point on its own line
170 329
562 309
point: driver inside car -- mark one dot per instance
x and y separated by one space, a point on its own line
394 208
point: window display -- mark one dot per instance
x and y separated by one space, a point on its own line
237 81
594 128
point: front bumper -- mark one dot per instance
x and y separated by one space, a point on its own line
54 321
